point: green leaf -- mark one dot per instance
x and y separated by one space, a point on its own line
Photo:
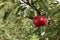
57 11
6 14
23 8
17 10
2 5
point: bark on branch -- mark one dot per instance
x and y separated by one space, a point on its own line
32 6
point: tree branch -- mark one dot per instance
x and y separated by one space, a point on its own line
32 6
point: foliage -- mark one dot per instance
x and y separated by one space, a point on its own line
16 20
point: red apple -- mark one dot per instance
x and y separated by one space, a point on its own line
39 20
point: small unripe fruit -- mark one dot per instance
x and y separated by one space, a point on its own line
39 20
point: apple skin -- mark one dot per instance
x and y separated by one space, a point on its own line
39 20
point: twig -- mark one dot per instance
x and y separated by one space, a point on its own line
32 6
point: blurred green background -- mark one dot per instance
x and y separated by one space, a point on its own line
15 22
